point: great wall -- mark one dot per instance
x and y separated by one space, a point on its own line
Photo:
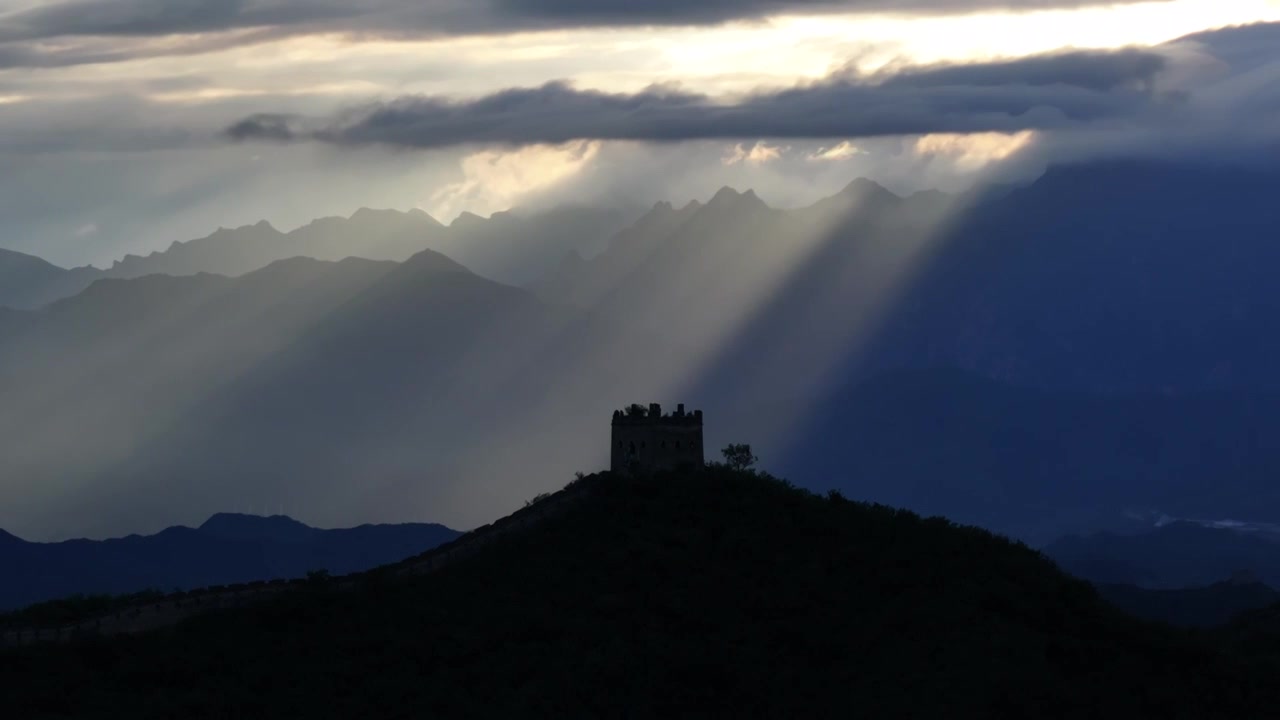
172 609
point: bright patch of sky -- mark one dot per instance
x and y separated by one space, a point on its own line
70 137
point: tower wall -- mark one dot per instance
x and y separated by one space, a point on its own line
653 441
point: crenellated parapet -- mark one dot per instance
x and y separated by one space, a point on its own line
652 415
646 440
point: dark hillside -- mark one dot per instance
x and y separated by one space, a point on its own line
722 594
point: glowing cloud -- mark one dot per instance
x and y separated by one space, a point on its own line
495 180
974 151
842 151
758 154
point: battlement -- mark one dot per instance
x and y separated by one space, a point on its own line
645 440
652 415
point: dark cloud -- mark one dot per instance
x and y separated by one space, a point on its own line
170 17
680 12
264 126
1103 72
23 34
1039 92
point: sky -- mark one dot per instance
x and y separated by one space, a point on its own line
126 125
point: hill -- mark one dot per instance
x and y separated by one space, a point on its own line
226 549
717 593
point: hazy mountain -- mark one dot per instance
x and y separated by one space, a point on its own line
28 282
226 549
1177 555
715 594
512 247
1125 336
1041 463
1118 275
333 387
1202 607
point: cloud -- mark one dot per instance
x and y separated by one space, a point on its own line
1039 92
968 153
174 17
265 126
69 32
495 180
1127 68
840 151
758 153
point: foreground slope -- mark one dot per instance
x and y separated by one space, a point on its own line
721 592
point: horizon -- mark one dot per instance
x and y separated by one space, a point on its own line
517 212
171 123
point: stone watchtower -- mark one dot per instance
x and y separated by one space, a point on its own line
645 440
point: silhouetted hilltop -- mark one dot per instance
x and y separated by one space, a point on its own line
235 526
226 549
717 594
728 199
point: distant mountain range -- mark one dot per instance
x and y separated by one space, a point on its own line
516 248
1176 555
1194 574
1039 463
1196 607
226 549
1036 359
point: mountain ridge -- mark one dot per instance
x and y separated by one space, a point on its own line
227 548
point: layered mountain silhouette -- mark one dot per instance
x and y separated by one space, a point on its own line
1106 321
513 247
1176 555
1211 606
226 549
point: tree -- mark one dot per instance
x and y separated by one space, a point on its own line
739 457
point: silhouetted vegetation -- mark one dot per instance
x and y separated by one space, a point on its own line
76 608
739 457
536 499
720 593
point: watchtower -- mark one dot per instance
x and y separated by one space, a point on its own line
645 440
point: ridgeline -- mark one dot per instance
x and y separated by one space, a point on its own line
718 593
